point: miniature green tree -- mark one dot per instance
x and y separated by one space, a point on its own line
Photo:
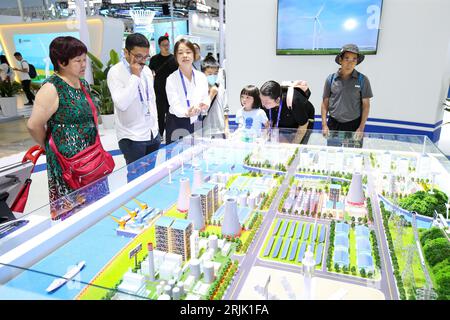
336 267
362 272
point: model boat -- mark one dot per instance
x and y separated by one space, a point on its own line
57 283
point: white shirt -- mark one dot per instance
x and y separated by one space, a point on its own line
6 71
135 120
197 92
23 65
256 117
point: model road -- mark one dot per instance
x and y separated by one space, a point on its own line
248 261
388 285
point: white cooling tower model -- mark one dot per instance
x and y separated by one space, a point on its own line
213 242
242 200
198 179
230 225
208 272
355 193
168 290
183 195
251 201
176 293
195 268
180 286
195 213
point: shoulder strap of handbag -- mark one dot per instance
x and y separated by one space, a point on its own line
94 114
91 104
210 105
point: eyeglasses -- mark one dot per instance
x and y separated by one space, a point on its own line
140 57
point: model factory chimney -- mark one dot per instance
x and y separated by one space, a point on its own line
151 262
183 195
198 179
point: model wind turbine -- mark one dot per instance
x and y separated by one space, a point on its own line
317 25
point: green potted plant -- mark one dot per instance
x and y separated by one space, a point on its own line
8 99
100 89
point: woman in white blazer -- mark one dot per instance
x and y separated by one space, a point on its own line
187 94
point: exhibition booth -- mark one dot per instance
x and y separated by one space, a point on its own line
317 216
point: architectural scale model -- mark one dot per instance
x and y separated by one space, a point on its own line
231 219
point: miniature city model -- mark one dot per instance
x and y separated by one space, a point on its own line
269 220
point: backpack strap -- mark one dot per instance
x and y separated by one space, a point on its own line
361 80
289 97
330 79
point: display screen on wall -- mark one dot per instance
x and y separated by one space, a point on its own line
315 27
35 50
161 28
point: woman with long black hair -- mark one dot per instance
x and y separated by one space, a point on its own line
289 107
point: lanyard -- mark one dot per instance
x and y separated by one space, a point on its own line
146 90
184 86
141 97
279 112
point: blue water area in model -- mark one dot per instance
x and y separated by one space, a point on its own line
97 245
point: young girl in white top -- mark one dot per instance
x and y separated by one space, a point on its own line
251 116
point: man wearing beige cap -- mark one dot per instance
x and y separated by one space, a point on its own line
346 95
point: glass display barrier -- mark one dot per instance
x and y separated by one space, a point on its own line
203 217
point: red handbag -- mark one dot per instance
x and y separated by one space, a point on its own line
22 197
87 165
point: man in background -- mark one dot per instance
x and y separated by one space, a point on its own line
346 95
25 79
162 65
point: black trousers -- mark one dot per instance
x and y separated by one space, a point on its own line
177 128
162 105
335 125
135 150
345 138
26 88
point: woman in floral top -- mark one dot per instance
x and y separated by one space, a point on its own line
62 110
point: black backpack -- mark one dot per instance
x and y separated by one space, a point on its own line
31 71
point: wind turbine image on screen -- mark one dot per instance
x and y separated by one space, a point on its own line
316 23
318 27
